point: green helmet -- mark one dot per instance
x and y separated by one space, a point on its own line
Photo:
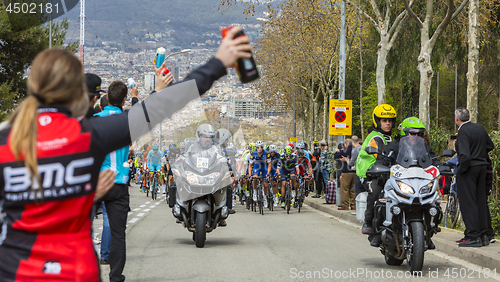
252 147
412 125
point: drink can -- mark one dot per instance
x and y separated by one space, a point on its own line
160 56
131 82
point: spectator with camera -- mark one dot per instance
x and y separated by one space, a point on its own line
347 178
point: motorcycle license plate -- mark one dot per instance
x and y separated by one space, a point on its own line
202 162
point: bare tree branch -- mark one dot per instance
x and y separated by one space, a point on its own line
442 26
368 17
412 14
376 10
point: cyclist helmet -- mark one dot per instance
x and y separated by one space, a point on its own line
259 144
291 145
287 151
155 146
315 143
383 111
273 148
252 147
172 145
300 145
206 130
300 153
412 125
223 135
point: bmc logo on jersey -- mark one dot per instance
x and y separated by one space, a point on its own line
54 175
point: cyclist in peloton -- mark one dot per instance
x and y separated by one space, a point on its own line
287 166
274 158
304 168
154 163
258 166
245 161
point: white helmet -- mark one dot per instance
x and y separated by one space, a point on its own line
259 144
223 135
273 148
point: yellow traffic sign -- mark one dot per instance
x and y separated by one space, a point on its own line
293 139
340 117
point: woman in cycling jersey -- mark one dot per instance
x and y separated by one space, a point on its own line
50 160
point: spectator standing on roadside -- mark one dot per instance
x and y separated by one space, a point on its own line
472 146
348 177
318 176
356 143
325 163
94 90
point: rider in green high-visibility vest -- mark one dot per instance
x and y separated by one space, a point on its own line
384 118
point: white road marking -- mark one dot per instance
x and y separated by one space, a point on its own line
141 214
100 227
129 213
146 210
133 220
464 263
152 207
136 209
141 206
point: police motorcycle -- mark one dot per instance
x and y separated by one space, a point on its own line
202 177
408 213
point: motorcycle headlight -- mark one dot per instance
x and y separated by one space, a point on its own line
426 189
209 179
192 178
405 188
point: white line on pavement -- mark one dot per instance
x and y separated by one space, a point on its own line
133 220
129 213
152 207
136 209
464 263
148 202
146 210
100 227
141 206
140 214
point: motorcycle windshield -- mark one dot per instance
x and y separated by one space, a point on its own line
413 153
200 171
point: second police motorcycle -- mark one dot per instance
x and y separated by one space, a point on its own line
408 213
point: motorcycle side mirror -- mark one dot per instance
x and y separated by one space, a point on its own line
445 170
448 153
378 169
372 150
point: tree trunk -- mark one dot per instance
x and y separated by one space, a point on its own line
472 74
426 74
381 64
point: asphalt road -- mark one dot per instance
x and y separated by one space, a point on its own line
305 246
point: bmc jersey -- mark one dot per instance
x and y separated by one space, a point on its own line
303 166
47 230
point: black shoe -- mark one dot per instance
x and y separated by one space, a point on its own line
104 261
366 229
222 223
376 241
232 211
485 241
470 243
431 245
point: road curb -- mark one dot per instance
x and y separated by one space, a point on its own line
487 257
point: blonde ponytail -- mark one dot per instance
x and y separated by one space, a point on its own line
56 78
